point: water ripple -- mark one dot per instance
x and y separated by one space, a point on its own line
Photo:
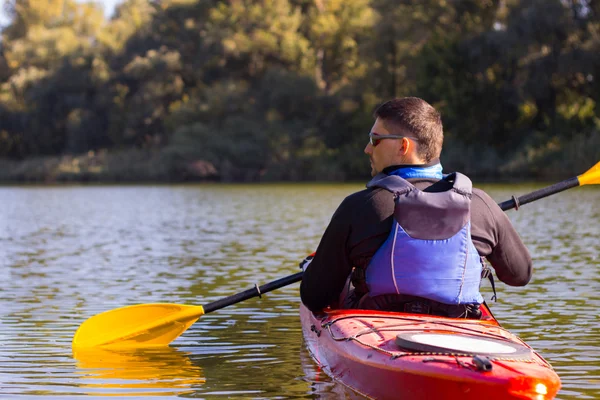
71 252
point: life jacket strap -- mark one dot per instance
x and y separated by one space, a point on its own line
486 272
418 305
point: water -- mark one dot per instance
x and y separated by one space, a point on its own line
67 253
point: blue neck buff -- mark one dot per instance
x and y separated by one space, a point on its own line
408 172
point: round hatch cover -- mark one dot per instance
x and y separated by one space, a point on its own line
436 342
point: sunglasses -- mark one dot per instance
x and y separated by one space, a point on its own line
375 138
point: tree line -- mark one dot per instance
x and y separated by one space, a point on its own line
258 90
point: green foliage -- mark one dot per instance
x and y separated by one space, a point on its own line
247 90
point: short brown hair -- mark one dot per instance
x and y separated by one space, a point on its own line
415 117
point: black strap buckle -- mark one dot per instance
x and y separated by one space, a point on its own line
417 307
487 273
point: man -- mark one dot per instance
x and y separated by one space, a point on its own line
405 142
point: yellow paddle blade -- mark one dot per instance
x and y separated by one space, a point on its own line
143 325
591 176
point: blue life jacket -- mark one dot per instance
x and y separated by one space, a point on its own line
429 252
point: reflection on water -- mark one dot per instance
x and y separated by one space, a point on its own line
67 253
320 385
161 371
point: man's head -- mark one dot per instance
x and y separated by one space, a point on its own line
420 129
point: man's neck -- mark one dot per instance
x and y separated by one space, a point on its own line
391 168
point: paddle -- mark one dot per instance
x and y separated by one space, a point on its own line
158 324
589 177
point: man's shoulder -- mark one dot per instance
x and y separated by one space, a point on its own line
367 195
371 204
484 206
480 194
366 201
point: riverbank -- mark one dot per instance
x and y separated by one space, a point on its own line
126 166
164 166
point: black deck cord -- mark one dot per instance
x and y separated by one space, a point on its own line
256 291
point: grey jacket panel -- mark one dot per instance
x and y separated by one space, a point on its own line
429 215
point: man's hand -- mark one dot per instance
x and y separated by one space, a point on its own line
306 262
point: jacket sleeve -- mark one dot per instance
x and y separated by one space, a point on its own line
325 277
495 238
357 229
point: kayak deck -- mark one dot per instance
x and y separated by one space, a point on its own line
409 356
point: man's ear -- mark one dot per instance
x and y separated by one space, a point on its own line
405 146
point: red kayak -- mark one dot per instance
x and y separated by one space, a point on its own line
390 355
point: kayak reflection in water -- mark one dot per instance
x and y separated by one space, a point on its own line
415 239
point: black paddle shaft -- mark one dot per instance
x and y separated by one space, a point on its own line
254 292
288 280
538 194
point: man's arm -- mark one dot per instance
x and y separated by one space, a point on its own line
326 275
495 238
357 229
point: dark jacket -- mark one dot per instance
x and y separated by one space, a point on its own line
363 222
